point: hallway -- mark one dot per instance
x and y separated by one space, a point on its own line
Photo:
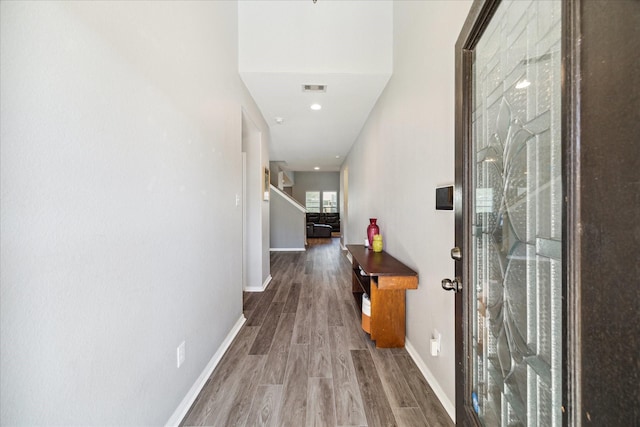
302 358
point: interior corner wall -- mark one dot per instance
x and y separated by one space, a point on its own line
120 163
265 212
255 145
405 151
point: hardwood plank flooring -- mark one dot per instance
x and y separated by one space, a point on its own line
291 306
425 397
302 358
267 331
294 400
320 407
396 388
410 417
258 314
349 410
334 315
204 407
236 402
320 363
376 404
266 406
276 364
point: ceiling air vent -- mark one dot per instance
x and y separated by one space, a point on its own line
314 88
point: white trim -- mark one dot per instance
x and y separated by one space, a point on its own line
259 289
264 286
449 406
266 282
196 388
287 249
290 199
349 256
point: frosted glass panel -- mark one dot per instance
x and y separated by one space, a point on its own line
517 223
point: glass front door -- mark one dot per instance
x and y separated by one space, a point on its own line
515 288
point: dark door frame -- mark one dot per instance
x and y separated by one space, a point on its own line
601 210
602 181
477 20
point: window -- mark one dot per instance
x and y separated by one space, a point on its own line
312 201
330 201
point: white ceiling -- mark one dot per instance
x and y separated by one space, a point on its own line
346 45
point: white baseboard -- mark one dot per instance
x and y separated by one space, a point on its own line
259 289
266 282
191 396
287 249
449 406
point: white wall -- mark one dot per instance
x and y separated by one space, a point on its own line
326 37
120 143
404 152
257 267
264 209
288 222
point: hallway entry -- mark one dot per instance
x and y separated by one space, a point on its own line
303 359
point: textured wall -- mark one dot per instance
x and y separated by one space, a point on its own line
120 235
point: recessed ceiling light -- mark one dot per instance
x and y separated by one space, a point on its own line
317 168
316 107
523 84
279 120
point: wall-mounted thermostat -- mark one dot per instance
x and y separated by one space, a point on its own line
444 198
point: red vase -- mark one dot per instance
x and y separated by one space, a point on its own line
372 230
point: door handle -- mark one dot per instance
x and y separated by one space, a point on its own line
456 253
452 285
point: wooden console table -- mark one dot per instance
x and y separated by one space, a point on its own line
385 281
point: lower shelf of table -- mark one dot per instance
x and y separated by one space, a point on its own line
387 315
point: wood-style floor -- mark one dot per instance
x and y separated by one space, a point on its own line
302 359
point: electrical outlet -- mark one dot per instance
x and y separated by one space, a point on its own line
181 353
435 343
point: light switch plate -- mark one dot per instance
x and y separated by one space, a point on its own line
181 353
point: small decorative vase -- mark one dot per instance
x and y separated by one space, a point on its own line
377 243
372 230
